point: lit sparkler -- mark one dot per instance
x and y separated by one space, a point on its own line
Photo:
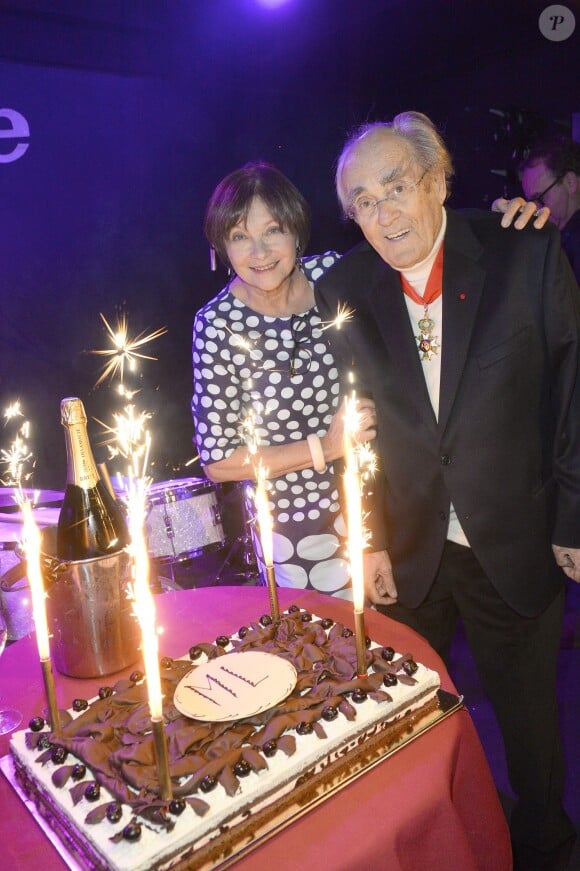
367 460
13 410
18 455
266 538
343 315
128 437
125 393
144 607
264 517
249 433
31 539
125 350
355 526
15 458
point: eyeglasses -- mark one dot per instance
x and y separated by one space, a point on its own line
398 193
301 357
539 198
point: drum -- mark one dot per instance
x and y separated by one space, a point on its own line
39 498
15 601
183 519
45 513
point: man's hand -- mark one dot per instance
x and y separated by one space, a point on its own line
380 587
568 558
521 209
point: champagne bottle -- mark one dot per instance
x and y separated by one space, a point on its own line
91 523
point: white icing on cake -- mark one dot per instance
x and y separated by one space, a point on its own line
257 791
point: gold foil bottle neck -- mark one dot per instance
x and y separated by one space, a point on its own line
72 411
81 467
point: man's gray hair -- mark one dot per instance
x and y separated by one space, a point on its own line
414 128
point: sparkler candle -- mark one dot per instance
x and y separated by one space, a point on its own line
18 455
124 351
127 436
343 316
31 536
145 610
355 528
266 539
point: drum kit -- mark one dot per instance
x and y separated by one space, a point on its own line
187 519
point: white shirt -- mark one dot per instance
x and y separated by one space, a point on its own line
417 277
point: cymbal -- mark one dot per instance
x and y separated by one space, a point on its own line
40 498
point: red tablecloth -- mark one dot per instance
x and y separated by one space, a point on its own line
431 806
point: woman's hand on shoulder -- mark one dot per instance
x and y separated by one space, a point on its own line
520 212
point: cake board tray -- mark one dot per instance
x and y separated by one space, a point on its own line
304 798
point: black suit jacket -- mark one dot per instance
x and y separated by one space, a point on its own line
505 449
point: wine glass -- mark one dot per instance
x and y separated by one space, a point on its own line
10 718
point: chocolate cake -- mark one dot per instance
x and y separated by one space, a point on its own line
96 781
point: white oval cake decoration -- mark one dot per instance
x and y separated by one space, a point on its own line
235 686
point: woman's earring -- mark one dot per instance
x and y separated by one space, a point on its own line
212 260
298 258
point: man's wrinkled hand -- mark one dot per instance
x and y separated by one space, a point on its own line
380 587
520 212
568 558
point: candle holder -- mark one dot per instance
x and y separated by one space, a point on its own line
360 642
160 742
48 678
273 593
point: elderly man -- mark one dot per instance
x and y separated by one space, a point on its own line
468 337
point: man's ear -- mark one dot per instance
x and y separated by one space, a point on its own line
440 185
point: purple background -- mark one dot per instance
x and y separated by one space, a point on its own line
136 109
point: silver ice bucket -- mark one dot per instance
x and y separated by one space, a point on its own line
90 615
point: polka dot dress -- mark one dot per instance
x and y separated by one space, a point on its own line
275 376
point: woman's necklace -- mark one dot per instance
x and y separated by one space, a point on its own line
427 343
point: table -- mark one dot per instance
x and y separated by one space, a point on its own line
431 806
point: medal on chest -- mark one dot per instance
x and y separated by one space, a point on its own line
427 342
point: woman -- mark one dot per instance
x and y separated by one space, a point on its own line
266 388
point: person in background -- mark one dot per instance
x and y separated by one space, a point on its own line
467 337
266 388
551 176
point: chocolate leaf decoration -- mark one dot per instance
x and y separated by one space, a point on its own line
45 756
319 729
200 807
157 814
122 685
98 814
228 780
347 709
380 696
254 759
113 736
61 775
287 744
77 792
